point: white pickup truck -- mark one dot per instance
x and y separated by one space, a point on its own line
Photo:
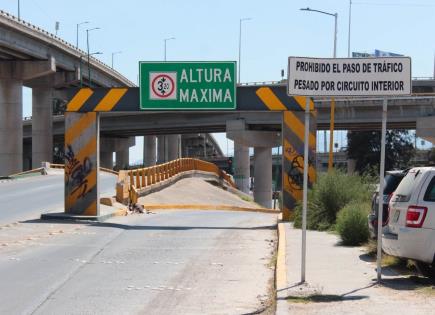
411 227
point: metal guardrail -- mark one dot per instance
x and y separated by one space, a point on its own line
142 178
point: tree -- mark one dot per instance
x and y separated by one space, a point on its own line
365 148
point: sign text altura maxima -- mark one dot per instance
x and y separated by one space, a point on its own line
187 85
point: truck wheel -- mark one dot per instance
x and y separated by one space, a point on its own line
425 269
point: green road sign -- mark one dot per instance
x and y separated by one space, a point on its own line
187 85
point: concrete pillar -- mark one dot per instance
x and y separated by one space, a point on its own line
27 155
42 121
149 150
106 159
172 147
11 126
263 176
123 158
241 166
161 149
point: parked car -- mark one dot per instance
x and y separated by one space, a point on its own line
411 227
392 180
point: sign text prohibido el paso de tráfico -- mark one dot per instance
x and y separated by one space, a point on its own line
386 76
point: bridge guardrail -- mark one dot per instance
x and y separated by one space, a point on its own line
61 41
132 182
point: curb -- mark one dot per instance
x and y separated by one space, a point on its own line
206 207
74 217
281 269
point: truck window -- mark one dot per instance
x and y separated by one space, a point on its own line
404 190
429 195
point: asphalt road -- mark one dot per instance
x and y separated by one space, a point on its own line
209 262
26 198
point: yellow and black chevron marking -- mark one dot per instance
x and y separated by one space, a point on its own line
96 100
293 159
249 98
81 140
276 100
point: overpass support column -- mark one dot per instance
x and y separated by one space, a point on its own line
173 144
120 146
263 176
123 158
149 150
426 128
42 120
106 159
11 126
263 142
241 166
161 149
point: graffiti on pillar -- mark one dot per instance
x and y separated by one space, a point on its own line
76 172
295 174
293 161
81 163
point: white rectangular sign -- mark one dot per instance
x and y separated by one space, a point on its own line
386 76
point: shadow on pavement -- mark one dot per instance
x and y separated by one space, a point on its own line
323 298
367 258
407 283
180 228
149 227
317 297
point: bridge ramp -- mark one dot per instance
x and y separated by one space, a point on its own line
195 191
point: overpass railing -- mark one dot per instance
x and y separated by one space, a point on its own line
138 180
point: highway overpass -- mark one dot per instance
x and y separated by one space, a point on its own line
32 57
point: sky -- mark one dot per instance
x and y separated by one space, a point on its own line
209 30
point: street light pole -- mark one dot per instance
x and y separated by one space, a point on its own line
81 58
89 56
113 54
331 125
77 33
165 40
348 34
331 129
240 43
335 34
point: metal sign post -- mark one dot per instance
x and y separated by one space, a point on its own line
381 190
305 190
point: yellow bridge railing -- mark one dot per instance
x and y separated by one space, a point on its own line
145 177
